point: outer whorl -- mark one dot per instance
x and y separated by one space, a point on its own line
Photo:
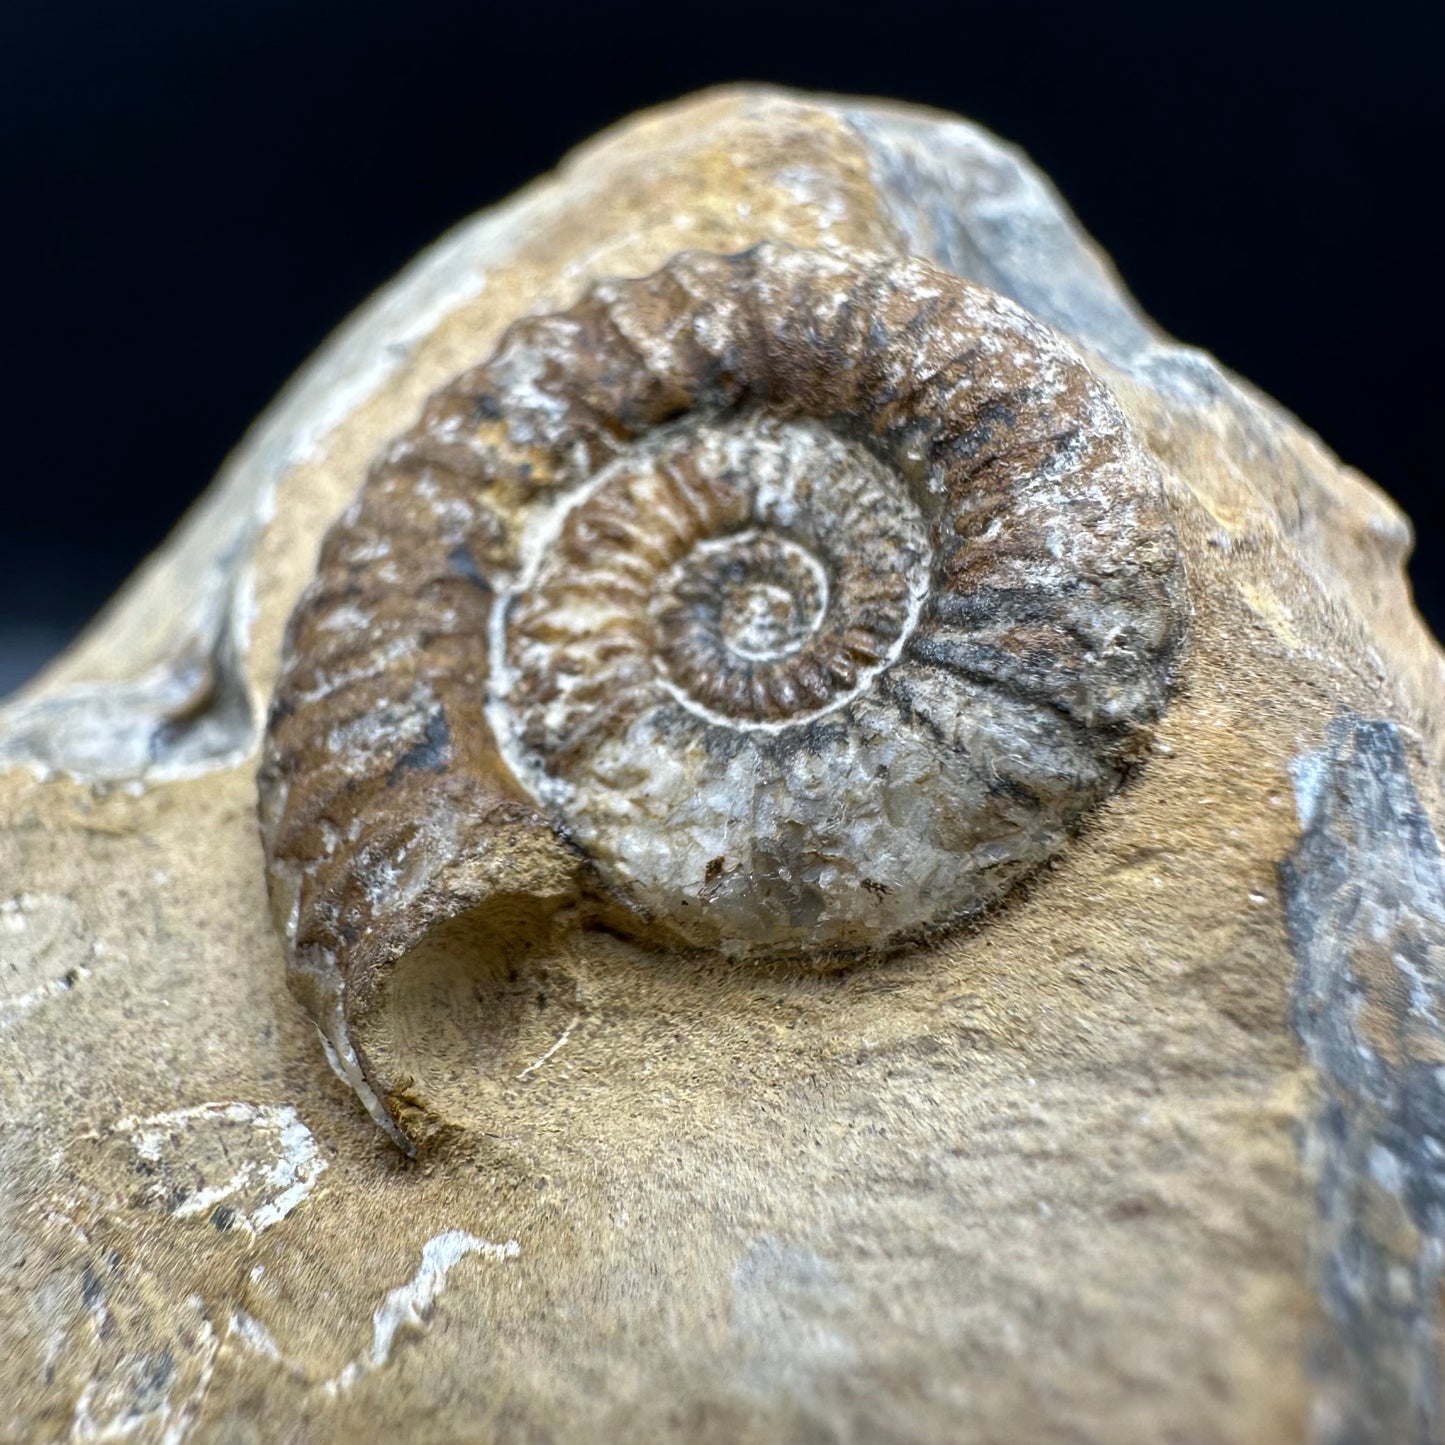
786 603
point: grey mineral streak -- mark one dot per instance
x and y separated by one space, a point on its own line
1365 899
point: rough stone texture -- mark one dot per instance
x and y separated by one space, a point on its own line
1098 1167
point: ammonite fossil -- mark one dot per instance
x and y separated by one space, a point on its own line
786 604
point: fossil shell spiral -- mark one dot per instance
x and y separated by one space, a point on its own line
789 602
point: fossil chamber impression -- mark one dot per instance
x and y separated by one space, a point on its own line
783 605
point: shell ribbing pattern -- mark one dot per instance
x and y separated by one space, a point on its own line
803 599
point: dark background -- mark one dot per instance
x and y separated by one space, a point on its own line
197 191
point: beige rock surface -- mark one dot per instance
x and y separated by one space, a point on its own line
1147 1153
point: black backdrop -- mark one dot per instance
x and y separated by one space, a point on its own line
196 191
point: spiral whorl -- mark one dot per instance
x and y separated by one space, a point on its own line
795 601
759 571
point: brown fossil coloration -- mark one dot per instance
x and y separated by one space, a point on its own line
808 597
1147 1149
